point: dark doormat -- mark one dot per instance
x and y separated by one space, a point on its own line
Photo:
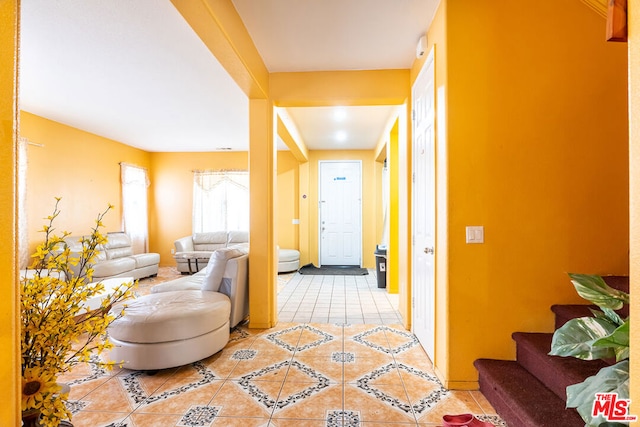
331 270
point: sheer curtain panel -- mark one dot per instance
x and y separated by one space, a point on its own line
220 201
135 181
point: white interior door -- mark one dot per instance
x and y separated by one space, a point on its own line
340 216
423 202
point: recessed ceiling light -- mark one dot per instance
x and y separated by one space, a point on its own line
339 114
341 136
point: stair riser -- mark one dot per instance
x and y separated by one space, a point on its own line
503 408
556 373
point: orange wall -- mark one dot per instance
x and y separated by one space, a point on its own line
77 177
10 377
78 166
634 172
172 194
537 152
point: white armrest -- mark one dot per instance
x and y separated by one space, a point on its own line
184 244
234 285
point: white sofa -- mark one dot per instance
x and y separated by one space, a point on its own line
193 252
116 258
180 321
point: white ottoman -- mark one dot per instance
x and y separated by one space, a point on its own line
288 260
170 329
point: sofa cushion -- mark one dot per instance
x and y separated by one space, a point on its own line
171 316
113 267
215 268
287 255
242 247
119 252
209 241
145 260
118 245
237 236
75 245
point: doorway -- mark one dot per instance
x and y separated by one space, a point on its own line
340 213
423 203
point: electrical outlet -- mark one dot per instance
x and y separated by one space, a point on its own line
173 251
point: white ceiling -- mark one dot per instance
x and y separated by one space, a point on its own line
135 72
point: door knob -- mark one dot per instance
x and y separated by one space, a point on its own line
429 251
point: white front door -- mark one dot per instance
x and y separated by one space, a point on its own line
340 215
423 202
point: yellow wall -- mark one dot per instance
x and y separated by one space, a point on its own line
396 227
369 200
78 166
287 201
536 140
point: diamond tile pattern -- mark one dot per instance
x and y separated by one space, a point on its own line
293 374
345 362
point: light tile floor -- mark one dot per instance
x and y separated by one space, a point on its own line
329 374
337 299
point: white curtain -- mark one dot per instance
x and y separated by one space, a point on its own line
220 201
135 222
23 223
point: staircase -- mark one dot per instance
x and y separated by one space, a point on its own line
531 391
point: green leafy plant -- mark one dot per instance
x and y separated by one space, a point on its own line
603 336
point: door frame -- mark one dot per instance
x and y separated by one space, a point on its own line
319 231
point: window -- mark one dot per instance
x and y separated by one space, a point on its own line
134 206
220 201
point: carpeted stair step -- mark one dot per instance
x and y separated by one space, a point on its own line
521 399
555 372
565 312
620 283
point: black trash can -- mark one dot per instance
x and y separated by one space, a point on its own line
381 265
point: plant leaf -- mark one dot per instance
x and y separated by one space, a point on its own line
577 336
612 379
607 313
618 340
594 289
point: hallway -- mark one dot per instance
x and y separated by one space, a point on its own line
336 299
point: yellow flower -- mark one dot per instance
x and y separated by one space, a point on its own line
37 384
56 333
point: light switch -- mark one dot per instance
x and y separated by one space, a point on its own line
475 234
295 221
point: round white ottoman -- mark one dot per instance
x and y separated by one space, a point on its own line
288 260
170 329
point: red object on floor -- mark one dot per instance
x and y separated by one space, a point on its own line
464 420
